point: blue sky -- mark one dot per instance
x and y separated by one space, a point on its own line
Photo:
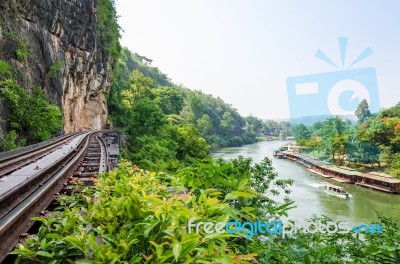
243 51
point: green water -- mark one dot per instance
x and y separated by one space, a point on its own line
311 199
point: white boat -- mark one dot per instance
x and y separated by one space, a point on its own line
336 190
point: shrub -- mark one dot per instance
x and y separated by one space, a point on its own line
55 69
132 216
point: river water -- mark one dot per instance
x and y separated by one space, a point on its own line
309 199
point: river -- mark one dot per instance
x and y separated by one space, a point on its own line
309 199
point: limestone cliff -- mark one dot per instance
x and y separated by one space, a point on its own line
63 55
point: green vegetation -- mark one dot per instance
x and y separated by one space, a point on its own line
207 117
135 216
362 112
140 217
108 29
8 141
55 69
22 51
168 126
6 71
371 143
31 117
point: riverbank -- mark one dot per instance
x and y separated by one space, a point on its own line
373 180
309 198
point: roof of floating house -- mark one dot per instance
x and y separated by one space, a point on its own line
343 170
379 176
309 159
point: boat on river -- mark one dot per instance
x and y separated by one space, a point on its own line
336 190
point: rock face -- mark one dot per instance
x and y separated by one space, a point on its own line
61 40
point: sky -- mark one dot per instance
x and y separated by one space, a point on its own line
246 51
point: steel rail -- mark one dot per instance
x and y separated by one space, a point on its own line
11 163
17 220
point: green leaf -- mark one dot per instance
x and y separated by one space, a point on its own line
159 249
75 242
236 194
54 236
83 261
44 254
242 184
149 228
176 249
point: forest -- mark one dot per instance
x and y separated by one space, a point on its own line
167 126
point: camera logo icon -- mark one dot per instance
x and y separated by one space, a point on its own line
333 93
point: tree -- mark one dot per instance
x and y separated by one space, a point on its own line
285 129
382 131
339 144
301 132
44 119
168 99
139 87
146 117
392 111
362 111
333 136
191 144
204 124
271 128
254 124
227 122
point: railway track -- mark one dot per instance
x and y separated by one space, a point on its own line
13 162
83 156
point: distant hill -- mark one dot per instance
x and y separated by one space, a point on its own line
309 120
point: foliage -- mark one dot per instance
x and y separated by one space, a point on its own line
227 128
168 99
31 116
219 124
8 140
6 71
143 64
332 248
204 124
383 131
254 124
55 69
301 133
146 117
334 137
153 140
173 123
241 175
375 139
394 168
190 145
362 112
109 29
134 217
22 51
